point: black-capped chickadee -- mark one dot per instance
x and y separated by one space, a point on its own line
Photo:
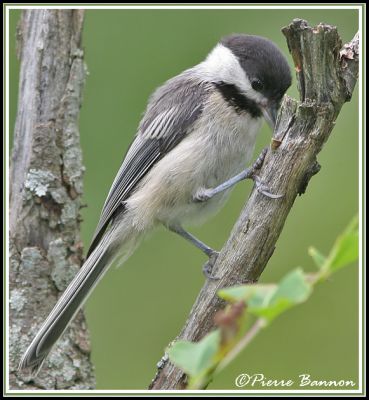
191 147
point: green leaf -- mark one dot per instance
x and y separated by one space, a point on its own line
195 358
346 248
268 301
318 257
252 292
292 290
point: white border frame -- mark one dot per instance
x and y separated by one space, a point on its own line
187 392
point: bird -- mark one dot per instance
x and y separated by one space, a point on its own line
191 147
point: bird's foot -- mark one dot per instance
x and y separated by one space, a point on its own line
262 188
207 268
203 195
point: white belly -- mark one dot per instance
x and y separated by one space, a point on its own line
216 150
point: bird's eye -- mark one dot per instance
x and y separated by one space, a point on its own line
257 85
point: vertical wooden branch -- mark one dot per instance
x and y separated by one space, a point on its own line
327 74
45 195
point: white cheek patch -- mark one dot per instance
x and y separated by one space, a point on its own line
222 65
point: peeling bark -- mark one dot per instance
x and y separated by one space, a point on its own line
45 195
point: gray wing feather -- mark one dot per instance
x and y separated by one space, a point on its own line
171 112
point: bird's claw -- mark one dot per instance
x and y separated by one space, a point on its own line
202 195
207 268
261 188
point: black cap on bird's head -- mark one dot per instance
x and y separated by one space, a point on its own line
265 67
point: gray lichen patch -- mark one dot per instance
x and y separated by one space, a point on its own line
43 182
68 373
76 52
70 214
56 356
38 181
17 299
59 194
15 339
72 155
61 362
33 275
30 258
73 166
62 271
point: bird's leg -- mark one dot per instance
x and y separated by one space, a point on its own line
248 173
192 239
212 254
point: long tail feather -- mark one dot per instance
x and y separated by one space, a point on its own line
68 305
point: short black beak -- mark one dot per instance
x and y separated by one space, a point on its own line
270 113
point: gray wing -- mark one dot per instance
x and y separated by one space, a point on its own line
171 112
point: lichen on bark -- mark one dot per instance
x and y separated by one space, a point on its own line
45 196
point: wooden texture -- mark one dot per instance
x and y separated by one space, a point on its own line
45 195
326 76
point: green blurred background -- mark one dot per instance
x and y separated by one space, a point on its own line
138 309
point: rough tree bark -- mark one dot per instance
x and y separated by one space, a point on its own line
45 195
326 76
